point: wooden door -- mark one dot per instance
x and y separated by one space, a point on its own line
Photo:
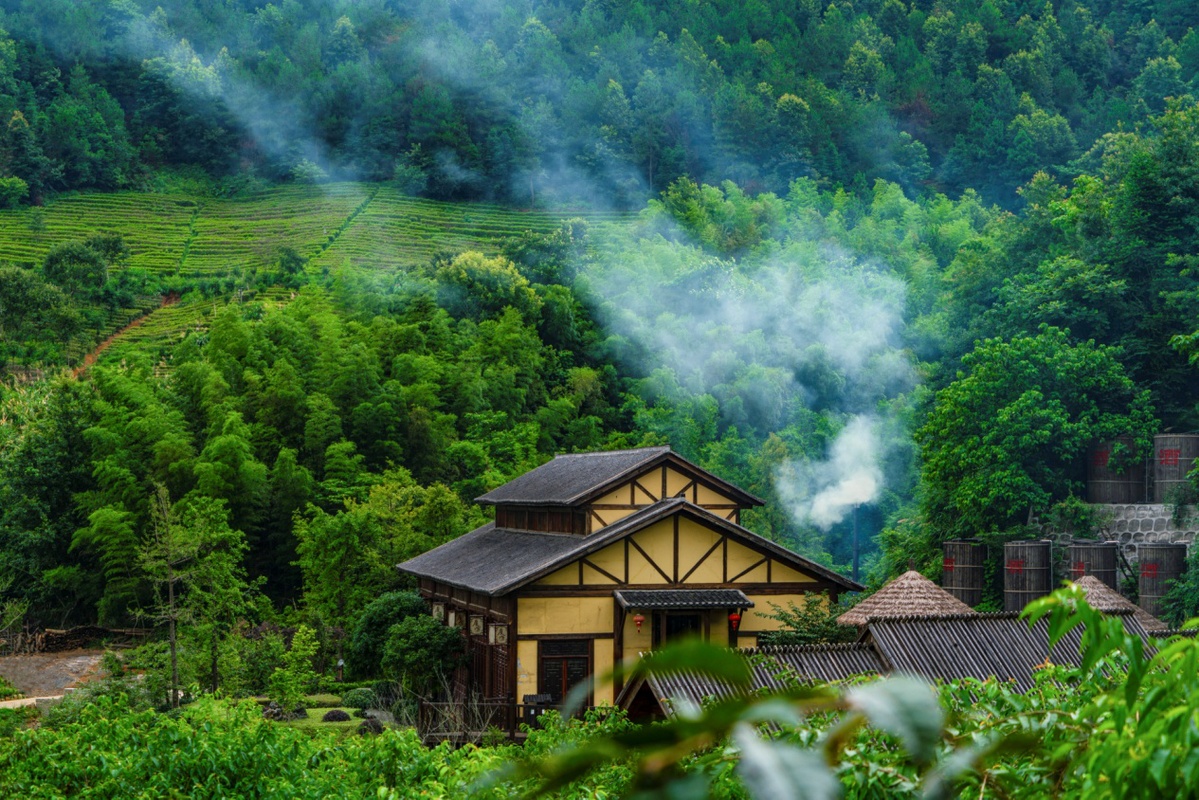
565 663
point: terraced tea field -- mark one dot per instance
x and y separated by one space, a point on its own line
163 328
155 227
394 230
248 232
333 225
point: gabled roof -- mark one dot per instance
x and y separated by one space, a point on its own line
495 561
1106 599
910 594
575 478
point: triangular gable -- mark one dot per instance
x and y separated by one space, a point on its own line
578 479
675 542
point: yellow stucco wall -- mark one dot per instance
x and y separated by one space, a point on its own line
695 541
645 489
675 481
526 668
754 619
781 573
610 559
539 615
601 665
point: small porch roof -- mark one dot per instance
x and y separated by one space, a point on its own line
681 599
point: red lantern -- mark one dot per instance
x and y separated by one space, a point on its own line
734 619
637 618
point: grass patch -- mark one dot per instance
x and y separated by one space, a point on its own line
322 701
315 725
8 691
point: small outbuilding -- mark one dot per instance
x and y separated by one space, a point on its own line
909 595
1106 599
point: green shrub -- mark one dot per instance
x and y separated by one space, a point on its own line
359 698
289 683
8 691
420 650
364 651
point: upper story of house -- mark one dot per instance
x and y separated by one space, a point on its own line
583 493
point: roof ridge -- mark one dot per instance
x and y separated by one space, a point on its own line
781 649
625 451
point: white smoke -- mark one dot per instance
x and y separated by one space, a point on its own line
822 493
813 333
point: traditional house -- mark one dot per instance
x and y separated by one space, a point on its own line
596 557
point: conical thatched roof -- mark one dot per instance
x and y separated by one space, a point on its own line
909 595
1106 599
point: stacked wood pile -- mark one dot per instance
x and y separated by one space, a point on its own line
50 640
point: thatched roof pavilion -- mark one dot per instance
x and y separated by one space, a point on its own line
909 595
1106 599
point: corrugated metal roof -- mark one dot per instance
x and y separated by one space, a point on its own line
495 560
772 667
942 648
682 598
982 646
573 478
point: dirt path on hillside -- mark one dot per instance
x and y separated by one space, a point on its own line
49 674
90 358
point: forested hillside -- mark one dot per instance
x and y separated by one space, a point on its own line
898 262
604 101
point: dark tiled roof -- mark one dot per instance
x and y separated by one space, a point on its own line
497 560
568 477
979 646
682 598
573 478
488 558
772 667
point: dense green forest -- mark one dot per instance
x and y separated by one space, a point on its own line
828 331
285 286
604 101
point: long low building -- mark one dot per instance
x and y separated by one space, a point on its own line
938 648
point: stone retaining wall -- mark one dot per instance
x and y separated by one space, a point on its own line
1150 523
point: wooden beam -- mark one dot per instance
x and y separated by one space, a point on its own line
645 555
675 570
606 591
703 558
601 571
648 493
750 569
561 637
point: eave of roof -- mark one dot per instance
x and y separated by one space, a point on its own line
565 548
655 457
772 669
681 599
